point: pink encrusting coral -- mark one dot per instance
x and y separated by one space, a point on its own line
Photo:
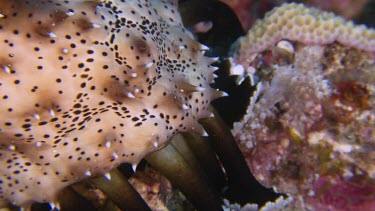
310 128
87 85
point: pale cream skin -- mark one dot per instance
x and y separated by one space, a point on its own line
83 90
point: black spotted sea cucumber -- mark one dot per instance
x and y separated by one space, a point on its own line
87 85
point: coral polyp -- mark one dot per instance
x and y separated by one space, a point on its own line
87 85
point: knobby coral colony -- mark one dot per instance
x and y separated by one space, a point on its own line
88 85
309 130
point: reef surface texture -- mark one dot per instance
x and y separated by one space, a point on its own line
310 128
87 85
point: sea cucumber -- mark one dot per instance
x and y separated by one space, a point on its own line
87 85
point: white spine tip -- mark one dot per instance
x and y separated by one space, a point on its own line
204 47
2 16
200 89
36 116
12 148
38 144
70 13
225 94
205 134
108 144
51 34
107 176
94 25
181 47
6 69
149 64
212 115
155 144
88 173
214 59
133 75
136 90
52 113
134 167
215 76
130 95
54 206
114 155
215 68
65 50
185 107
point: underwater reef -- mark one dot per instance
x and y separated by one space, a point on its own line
309 130
117 105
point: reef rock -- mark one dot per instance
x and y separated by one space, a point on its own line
87 85
310 128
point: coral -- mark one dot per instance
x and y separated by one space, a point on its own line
311 26
87 85
309 129
281 204
311 121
